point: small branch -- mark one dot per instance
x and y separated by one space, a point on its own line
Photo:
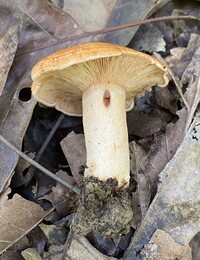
112 29
31 170
40 167
178 85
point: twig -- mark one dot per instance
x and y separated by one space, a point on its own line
112 29
27 231
178 85
31 170
40 167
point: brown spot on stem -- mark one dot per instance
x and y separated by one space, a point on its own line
106 98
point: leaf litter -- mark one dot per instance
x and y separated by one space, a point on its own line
163 134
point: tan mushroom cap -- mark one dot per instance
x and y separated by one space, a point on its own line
60 79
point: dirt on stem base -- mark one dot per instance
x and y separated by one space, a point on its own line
103 209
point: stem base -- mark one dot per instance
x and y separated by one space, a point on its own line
104 209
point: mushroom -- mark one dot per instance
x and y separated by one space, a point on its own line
95 80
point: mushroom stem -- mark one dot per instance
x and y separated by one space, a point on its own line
106 135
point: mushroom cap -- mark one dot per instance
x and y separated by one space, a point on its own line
60 79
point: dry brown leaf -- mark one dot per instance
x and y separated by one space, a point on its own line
165 99
20 177
166 147
10 255
142 124
176 206
163 246
64 200
192 94
194 243
51 24
194 62
54 253
148 38
169 143
80 248
139 160
127 12
43 24
37 33
56 234
181 57
17 216
96 15
137 216
90 15
14 132
31 254
183 29
8 47
73 147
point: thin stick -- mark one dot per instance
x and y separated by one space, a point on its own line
31 170
178 85
112 29
40 167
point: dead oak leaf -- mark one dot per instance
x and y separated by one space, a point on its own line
17 216
8 48
73 146
64 200
163 246
81 248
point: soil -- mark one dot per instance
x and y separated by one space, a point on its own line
103 209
